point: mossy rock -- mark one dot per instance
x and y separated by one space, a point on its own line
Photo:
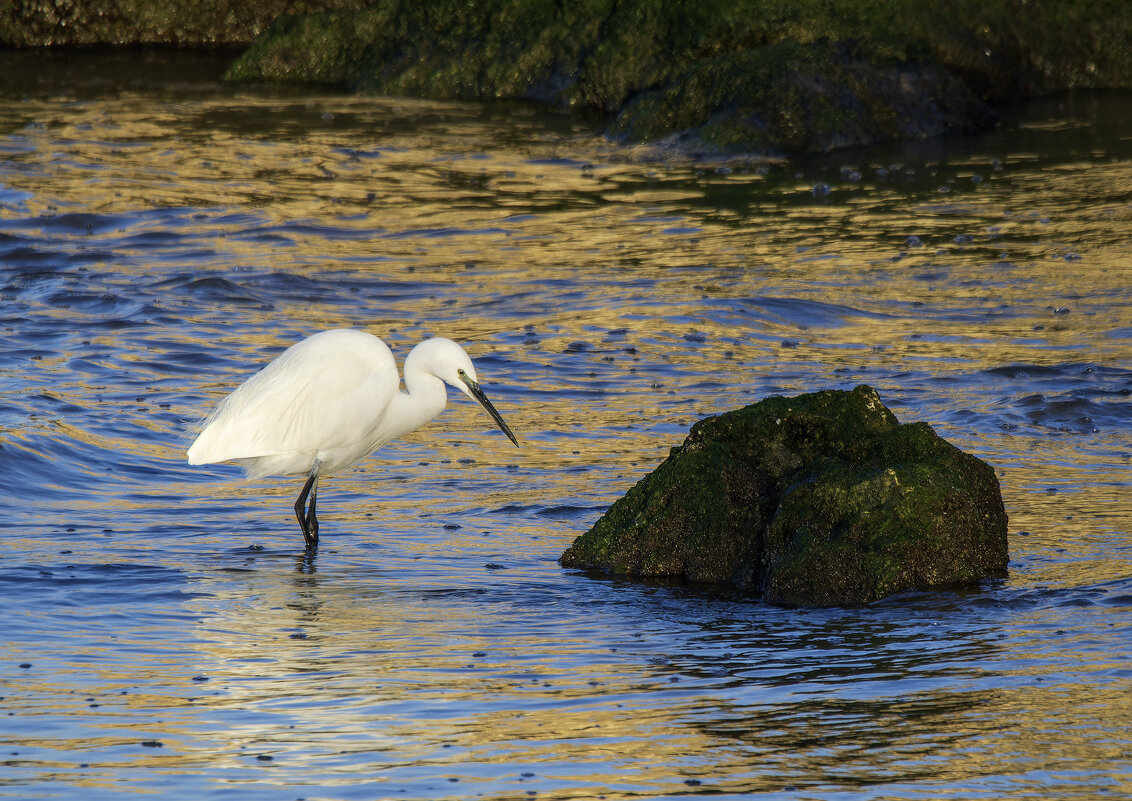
447 50
726 75
716 75
823 499
790 97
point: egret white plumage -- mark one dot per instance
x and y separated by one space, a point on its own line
326 402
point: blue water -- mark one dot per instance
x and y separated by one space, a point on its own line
162 235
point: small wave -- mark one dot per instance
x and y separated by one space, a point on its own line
289 283
559 162
90 302
14 199
1021 371
90 586
24 256
569 512
433 233
212 288
797 311
1074 410
73 223
1067 397
154 239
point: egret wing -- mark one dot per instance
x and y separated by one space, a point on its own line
323 395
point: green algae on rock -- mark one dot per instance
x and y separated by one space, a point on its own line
789 97
819 500
749 76
715 76
482 51
180 23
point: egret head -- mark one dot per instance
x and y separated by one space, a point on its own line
447 361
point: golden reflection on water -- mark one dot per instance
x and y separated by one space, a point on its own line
611 303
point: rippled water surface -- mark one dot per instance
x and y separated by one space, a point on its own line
162 235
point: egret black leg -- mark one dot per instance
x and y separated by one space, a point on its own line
310 534
312 521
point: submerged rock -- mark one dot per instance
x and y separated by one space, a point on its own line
820 500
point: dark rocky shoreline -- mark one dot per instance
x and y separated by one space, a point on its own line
750 77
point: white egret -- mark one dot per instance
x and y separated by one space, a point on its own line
326 402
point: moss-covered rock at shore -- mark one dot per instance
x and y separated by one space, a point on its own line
759 76
823 499
802 98
734 75
468 51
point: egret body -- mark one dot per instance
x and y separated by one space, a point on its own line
326 402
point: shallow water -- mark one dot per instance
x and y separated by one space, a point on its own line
161 235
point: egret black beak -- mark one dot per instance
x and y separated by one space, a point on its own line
477 393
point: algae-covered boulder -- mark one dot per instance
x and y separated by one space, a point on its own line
801 98
710 76
823 499
758 76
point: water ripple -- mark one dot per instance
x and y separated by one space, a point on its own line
160 242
